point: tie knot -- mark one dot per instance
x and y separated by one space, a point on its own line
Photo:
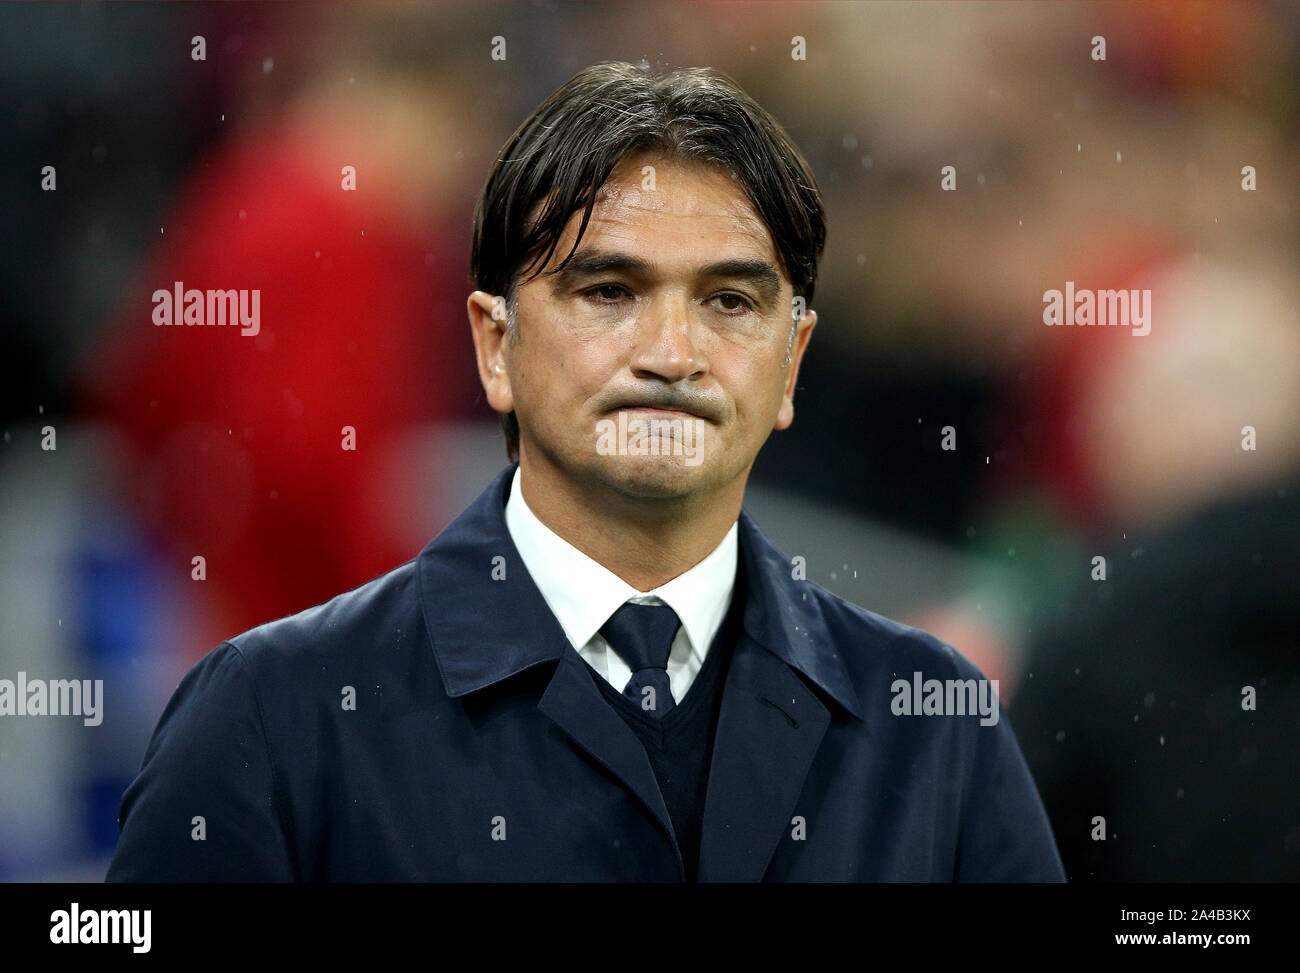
642 634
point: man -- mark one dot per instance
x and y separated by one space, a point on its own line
603 670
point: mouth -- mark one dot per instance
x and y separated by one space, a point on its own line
662 412
657 412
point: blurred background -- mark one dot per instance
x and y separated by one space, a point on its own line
1071 444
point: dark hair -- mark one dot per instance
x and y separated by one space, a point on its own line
566 149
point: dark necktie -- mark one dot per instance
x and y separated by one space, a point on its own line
643 635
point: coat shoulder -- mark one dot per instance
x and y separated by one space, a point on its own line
874 646
372 615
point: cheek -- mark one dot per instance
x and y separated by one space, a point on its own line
756 393
558 379
587 368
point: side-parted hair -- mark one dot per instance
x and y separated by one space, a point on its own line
566 149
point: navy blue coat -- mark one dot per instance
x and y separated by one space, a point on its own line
479 748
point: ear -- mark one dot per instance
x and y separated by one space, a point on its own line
803 331
487 324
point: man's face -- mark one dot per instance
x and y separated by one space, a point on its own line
673 308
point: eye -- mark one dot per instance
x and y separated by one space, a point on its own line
744 302
592 293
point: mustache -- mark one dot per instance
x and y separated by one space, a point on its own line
681 398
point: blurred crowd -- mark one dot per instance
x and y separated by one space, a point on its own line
1072 444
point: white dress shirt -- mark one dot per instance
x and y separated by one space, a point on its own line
583 593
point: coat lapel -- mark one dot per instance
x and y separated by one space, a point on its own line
772 722
769 730
487 621
575 705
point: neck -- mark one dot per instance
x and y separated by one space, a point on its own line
645 541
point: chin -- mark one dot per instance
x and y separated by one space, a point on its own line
656 477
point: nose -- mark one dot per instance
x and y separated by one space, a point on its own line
666 343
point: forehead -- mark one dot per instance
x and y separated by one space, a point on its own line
675 214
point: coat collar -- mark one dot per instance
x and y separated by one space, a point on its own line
487 620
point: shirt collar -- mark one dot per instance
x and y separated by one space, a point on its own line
582 593
485 626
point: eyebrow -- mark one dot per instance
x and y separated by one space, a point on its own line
589 262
